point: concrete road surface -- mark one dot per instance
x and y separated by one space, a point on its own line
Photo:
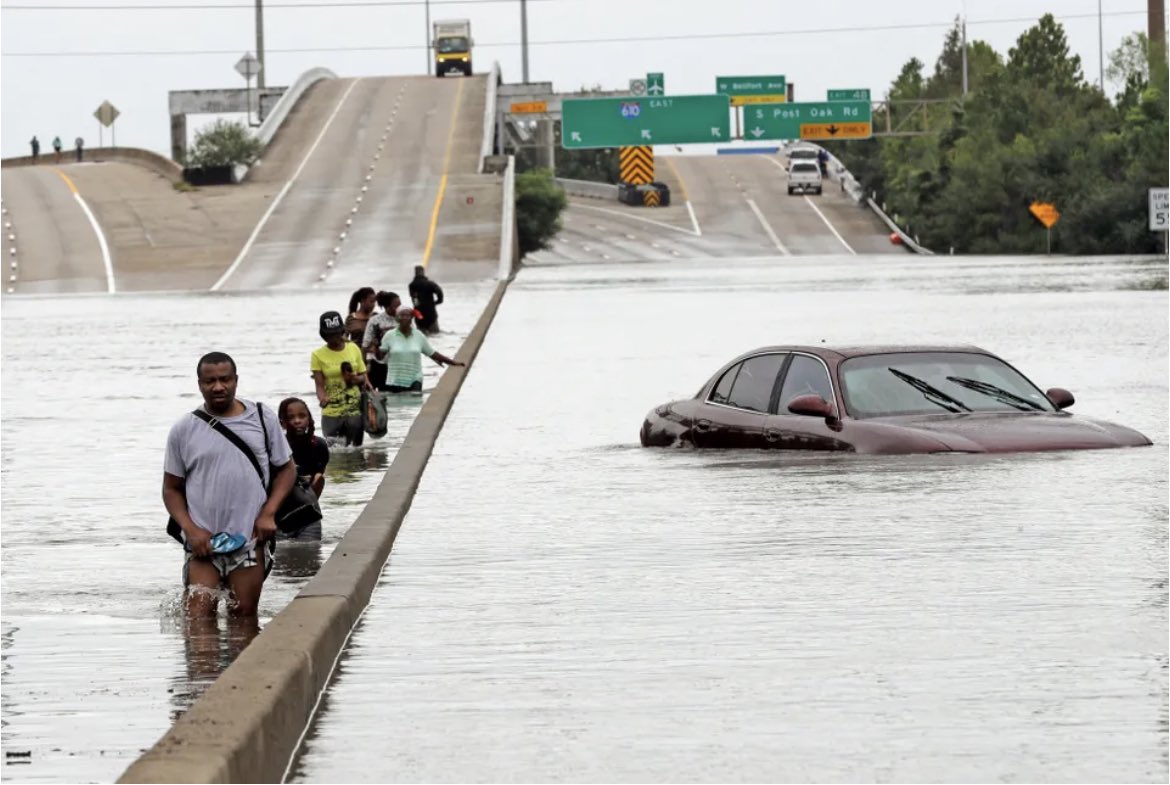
369 187
739 206
56 247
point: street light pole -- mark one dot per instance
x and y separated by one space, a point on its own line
524 39
260 43
1100 47
964 42
428 35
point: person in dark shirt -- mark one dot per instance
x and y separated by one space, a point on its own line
426 294
310 453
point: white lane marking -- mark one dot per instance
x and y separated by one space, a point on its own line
101 238
694 220
767 228
832 228
279 196
620 214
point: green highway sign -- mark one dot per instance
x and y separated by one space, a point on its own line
752 89
827 120
849 95
656 84
620 122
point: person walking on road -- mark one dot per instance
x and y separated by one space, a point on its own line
56 149
361 308
403 349
380 323
211 488
80 144
426 294
35 144
341 416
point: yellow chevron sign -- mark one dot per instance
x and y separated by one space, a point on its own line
651 198
637 165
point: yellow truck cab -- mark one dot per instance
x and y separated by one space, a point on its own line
452 44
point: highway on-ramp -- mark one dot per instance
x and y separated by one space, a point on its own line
57 249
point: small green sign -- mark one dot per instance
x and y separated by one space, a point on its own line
620 122
656 84
828 120
861 94
751 85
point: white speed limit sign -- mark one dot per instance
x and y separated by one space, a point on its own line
1159 209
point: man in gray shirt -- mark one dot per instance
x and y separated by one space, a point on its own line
212 490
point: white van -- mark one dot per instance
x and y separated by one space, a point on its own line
804 176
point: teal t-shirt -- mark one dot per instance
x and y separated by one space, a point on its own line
404 356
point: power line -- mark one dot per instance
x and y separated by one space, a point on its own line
250 6
569 41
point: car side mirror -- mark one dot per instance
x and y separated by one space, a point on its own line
811 406
1060 397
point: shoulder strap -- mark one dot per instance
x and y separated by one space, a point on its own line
236 440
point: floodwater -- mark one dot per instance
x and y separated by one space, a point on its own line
96 663
562 605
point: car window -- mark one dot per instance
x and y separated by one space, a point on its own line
977 381
806 376
722 391
804 166
753 385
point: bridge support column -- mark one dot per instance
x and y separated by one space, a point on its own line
179 138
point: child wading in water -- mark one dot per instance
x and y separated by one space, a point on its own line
310 454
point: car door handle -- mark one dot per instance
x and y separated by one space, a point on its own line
702 425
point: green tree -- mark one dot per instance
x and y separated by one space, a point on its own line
224 144
539 204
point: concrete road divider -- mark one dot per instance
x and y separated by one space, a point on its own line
248 725
588 188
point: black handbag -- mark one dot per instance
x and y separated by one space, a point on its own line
299 508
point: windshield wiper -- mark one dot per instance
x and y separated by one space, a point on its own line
931 393
1000 394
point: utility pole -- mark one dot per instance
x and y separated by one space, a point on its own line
524 39
1156 22
964 41
1101 46
428 34
260 43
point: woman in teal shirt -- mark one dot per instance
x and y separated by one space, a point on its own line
403 348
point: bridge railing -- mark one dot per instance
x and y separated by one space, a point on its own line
288 100
488 145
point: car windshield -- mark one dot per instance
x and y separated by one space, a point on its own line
804 166
456 43
884 385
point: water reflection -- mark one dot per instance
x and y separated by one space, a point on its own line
210 646
297 561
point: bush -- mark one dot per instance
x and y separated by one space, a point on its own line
539 204
223 144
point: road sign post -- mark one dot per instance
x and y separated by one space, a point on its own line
1159 209
822 120
1048 215
248 67
744 90
106 114
622 122
656 84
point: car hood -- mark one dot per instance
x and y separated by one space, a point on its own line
1022 431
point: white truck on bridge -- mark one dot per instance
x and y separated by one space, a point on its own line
452 44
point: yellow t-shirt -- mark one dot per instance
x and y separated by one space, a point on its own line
328 362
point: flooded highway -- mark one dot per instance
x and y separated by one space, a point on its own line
95 660
563 605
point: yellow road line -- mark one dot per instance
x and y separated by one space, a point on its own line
68 182
682 183
443 181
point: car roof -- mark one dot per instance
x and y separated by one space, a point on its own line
843 352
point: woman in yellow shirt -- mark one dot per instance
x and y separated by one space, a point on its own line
341 415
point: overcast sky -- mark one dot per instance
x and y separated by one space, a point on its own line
52 93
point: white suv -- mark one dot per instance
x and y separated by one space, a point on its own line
804 176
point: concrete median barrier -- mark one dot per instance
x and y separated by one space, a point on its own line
147 159
588 189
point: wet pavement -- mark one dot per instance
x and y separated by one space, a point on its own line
96 663
563 605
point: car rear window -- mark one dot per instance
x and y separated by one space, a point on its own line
804 167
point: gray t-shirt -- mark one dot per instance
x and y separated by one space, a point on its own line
224 493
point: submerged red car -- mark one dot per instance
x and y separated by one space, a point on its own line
881 400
